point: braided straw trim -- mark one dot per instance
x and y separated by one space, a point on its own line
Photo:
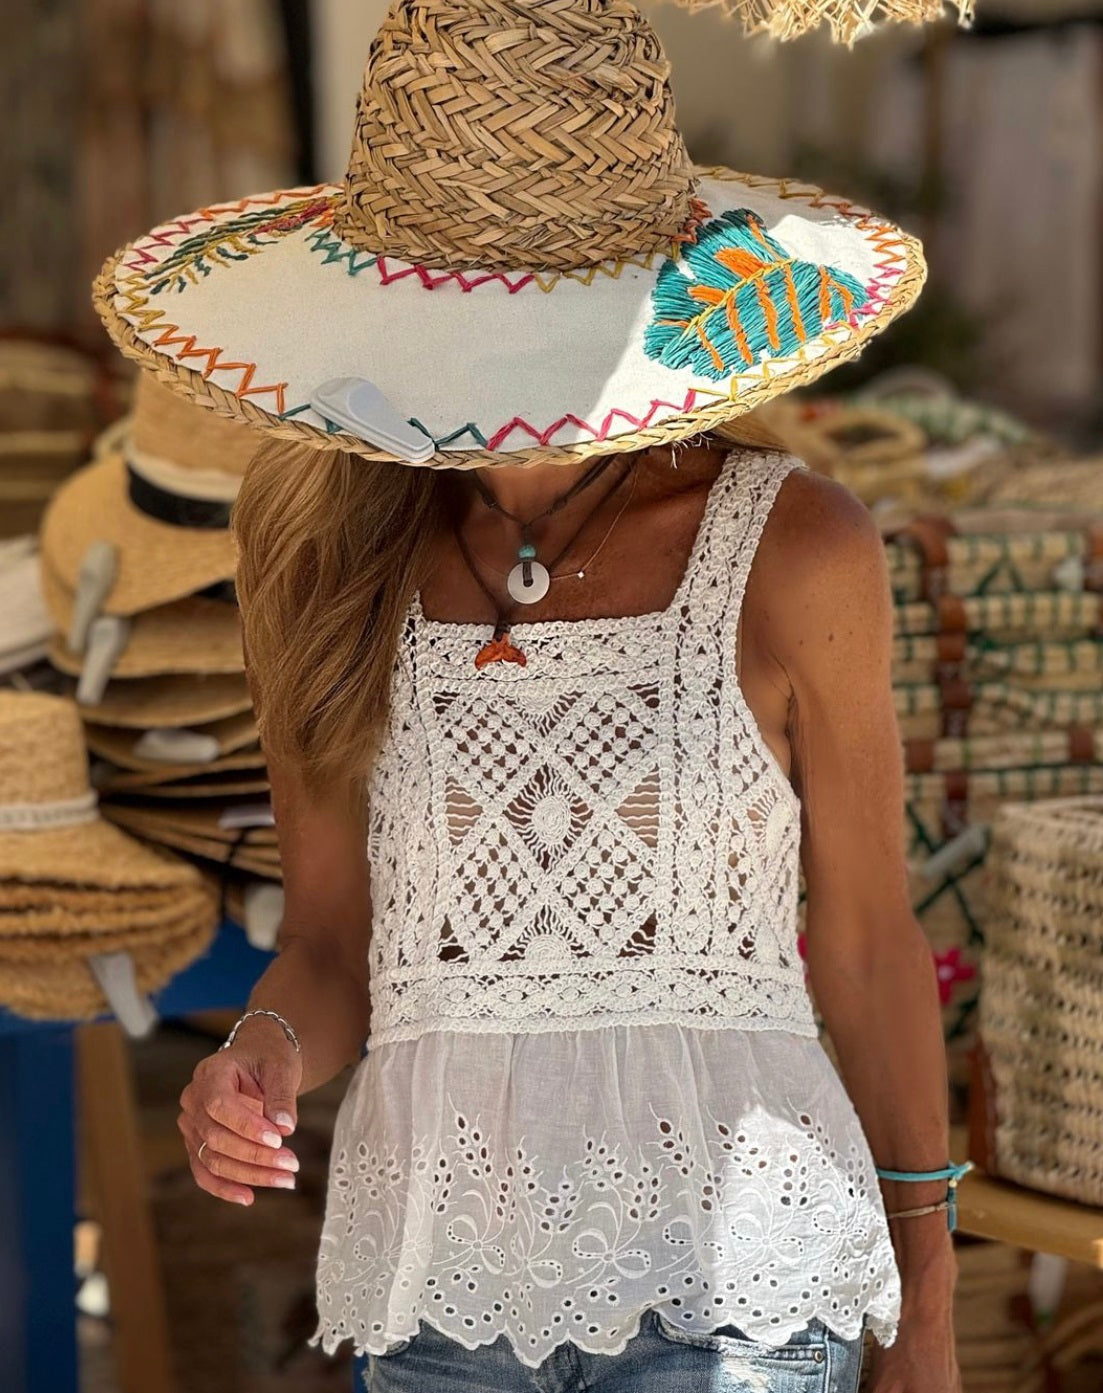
500 134
847 19
761 388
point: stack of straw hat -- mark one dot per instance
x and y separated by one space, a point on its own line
53 400
80 901
138 567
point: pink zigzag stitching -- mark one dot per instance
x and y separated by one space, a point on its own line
602 433
431 279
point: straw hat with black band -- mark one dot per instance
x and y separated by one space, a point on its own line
521 264
159 496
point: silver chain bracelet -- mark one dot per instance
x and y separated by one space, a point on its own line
275 1016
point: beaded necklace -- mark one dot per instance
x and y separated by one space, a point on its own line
529 580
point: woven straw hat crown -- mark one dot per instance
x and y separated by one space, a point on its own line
515 134
42 753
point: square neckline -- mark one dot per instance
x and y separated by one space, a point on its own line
530 626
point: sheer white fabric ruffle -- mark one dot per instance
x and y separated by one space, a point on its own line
556 1185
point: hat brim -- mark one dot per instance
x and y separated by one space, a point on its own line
65 989
171 702
116 744
249 307
135 780
232 784
157 562
192 635
203 822
31 935
89 853
261 861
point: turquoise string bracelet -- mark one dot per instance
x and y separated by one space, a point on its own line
951 1174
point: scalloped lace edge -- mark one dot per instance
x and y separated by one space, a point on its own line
882 1322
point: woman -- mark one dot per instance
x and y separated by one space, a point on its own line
556 710
813 667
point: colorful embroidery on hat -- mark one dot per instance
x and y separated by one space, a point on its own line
747 300
236 239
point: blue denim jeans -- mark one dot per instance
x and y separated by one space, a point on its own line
660 1359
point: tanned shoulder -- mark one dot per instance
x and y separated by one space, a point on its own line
822 572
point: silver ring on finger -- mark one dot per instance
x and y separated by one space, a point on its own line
199 1153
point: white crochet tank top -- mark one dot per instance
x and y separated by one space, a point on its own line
593 1083
599 836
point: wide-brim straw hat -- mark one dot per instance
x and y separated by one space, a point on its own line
209 822
174 701
193 635
159 496
123 748
134 780
521 259
64 987
230 784
50 829
198 832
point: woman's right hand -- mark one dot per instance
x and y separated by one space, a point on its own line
241 1103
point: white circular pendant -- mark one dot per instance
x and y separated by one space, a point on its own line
528 594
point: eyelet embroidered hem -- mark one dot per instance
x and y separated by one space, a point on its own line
553 1186
330 1337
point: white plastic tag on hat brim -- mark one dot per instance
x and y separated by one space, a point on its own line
359 407
115 974
95 579
245 815
107 638
263 915
171 746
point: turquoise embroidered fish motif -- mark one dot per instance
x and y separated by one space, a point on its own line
746 299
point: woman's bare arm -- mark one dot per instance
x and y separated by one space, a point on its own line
319 979
870 965
241 1102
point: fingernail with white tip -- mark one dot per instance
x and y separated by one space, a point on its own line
272 1139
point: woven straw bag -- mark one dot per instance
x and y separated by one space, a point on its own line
1041 1017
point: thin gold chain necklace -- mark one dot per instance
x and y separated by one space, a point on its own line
580 573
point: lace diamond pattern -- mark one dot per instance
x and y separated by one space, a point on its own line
611 800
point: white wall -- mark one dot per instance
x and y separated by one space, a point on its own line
343 29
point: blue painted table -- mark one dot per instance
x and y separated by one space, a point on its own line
38 1347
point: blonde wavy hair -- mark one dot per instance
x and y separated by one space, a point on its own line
331 550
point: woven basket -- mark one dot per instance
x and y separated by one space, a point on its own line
946 817
1042 1006
933 711
1061 664
1006 618
993 563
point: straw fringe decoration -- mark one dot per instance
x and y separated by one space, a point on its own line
1040 1010
847 19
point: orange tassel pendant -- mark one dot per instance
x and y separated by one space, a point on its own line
499 649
